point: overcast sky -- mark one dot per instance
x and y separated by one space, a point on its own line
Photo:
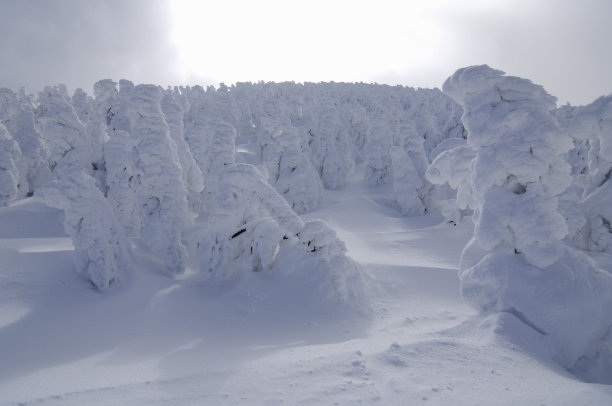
563 45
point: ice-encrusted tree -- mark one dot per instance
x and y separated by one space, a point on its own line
162 195
251 226
109 104
17 115
451 166
219 152
517 262
519 163
406 183
84 108
333 153
246 225
9 173
273 134
591 127
146 182
62 130
298 181
378 167
123 180
192 175
100 247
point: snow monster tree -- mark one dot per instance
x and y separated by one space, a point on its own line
9 175
517 265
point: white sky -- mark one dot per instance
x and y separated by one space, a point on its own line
563 45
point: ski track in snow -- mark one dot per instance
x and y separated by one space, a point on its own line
154 340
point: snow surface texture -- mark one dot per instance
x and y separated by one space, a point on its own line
263 340
249 199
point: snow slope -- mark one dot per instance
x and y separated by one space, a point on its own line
262 339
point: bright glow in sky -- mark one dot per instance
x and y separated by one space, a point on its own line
321 40
416 43
560 44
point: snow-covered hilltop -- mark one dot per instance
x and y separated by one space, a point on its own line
216 185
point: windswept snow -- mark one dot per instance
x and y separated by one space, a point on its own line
262 341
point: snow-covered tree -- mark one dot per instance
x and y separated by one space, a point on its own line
298 181
333 154
452 166
517 263
338 274
84 108
252 226
591 127
519 162
246 225
9 175
378 167
17 115
161 195
145 179
123 180
192 175
406 183
101 250
110 104
62 130
219 153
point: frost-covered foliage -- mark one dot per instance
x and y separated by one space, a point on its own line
101 250
122 180
519 163
110 104
247 225
96 132
9 175
298 181
192 175
591 159
156 178
339 276
252 226
62 130
518 260
406 181
17 115
452 165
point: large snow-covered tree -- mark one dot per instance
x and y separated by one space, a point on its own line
518 263
146 179
101 249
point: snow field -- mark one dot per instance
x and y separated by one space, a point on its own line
263 341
